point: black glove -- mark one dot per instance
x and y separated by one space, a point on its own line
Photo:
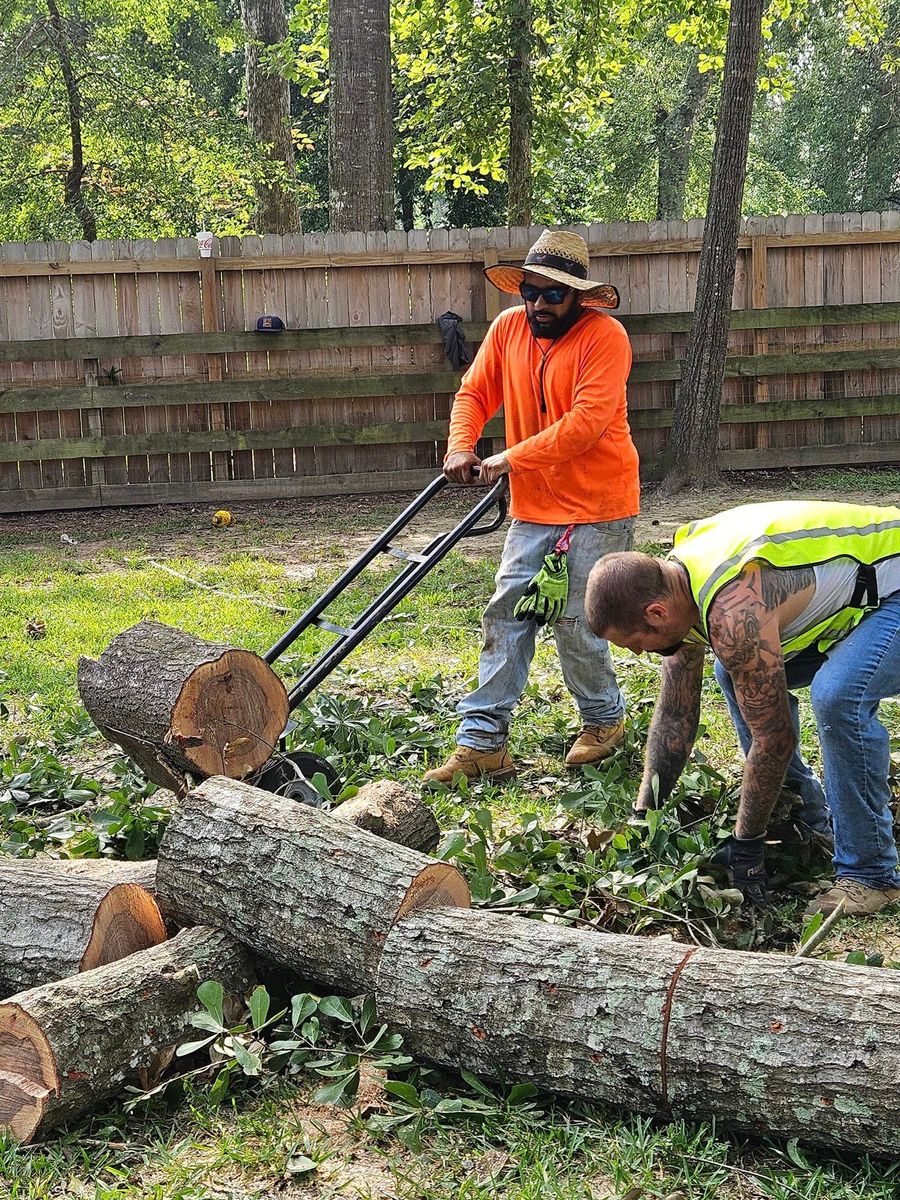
743 861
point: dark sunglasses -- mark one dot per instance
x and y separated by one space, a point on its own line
552 295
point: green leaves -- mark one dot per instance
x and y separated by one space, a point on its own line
211 995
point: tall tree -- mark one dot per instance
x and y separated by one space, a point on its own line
360 116
674 134
269 116
690 458
521 112
119 119
74 185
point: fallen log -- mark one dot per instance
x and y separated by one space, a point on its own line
58 918
762 1042
67 1046
393 813
180 706
303 888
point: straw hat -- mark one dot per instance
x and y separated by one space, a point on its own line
562 257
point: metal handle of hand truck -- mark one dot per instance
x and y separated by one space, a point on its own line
501 488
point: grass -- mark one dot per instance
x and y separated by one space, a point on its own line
388 713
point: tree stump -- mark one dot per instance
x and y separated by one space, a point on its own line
763 1042
59 918
303 888
393 813
66 1046
179 705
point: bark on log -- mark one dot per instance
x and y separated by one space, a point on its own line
762 1042
182 706
59 918
301 887
66 1046
393 813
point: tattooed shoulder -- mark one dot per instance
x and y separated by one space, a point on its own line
736 620
778 584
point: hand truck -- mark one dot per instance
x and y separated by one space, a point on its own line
289 773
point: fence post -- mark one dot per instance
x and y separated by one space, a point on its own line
211 321
491 295
759 298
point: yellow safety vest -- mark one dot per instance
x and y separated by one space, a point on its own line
790 534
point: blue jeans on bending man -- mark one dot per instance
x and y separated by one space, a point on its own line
845 692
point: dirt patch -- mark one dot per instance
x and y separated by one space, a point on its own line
337 529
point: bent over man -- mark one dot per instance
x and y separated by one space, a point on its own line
787 595
558 367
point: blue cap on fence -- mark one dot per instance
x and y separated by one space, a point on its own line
269 325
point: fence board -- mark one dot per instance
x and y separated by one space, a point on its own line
318 320
890 290
134 419
339 314
9 472
112 417
362 298
296 318
84 327
20 327
40 319
173 364
236 363
191 311
148 325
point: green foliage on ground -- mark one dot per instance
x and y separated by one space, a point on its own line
552 846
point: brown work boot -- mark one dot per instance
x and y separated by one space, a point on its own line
595 742
857 899
496 764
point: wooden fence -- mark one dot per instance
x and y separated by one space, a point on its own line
130 372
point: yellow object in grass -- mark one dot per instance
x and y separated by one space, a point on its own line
222 517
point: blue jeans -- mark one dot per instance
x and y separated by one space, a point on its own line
845 691
508 645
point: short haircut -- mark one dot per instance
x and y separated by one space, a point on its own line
619 588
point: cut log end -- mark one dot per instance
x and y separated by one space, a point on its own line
436 886
230 715
127 920
28 1074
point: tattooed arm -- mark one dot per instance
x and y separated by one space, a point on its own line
744 632
674 725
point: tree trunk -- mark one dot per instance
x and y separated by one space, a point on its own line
406 190
521 113
393 813
182 706
769 1044
269 116
66 1046
690 458
74 185
55 921
674 134
883 142
360 116
302 888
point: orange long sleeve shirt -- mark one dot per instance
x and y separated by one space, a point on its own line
574 462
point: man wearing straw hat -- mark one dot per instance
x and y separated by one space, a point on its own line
557 366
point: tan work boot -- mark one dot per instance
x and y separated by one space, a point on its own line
595 742
496 764
858 900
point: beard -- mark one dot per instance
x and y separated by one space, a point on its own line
555 328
